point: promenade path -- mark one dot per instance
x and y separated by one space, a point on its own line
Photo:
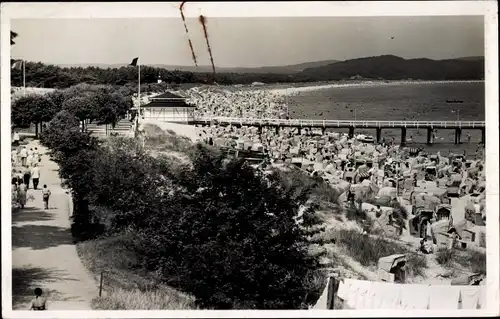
43 252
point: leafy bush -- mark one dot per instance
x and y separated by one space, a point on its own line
216 229
75 152
300 182
230 238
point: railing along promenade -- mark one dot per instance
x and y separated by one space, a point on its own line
350 124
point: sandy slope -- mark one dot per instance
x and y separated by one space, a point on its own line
297 90
43 253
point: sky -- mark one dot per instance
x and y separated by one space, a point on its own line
245 42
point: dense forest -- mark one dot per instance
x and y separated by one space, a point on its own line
381 68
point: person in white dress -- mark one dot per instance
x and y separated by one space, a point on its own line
36 155
13 156
23 154
29 160
16 138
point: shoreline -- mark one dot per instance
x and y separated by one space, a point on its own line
296 90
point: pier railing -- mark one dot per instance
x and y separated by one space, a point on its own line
339 123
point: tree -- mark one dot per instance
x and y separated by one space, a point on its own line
76 154
33 109
22 111
83 107
229 237
111 106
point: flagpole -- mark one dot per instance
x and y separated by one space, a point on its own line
24 77
139 88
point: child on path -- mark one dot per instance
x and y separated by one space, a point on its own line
46 195
39 303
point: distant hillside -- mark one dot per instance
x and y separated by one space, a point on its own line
285 69
386 67
390 67
471 58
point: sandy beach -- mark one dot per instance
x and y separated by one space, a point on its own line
296 90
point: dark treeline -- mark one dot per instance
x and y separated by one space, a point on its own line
382 67
51 76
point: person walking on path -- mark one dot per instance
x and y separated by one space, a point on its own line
19 176
14 177
13 155
35 175
36 156
23 154
27 176
76 287
46 195
21 194
30 159
39 303
15 139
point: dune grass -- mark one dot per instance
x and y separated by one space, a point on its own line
415 265
126 286
445 257
472 260
475 260
157 139
122 299
367 250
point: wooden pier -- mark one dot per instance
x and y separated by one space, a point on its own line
458 126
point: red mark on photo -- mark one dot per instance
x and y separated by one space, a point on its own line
181 8
203 22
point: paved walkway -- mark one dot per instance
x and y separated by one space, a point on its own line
43 252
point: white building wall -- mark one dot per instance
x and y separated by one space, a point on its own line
168 114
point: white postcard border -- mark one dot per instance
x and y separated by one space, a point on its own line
68 10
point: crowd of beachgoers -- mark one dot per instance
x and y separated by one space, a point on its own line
26 170
344 162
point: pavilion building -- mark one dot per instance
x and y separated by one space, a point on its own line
168 107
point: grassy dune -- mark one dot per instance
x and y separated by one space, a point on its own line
125 285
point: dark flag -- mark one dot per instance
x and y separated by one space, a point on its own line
134 62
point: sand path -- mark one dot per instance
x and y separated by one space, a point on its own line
43 252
